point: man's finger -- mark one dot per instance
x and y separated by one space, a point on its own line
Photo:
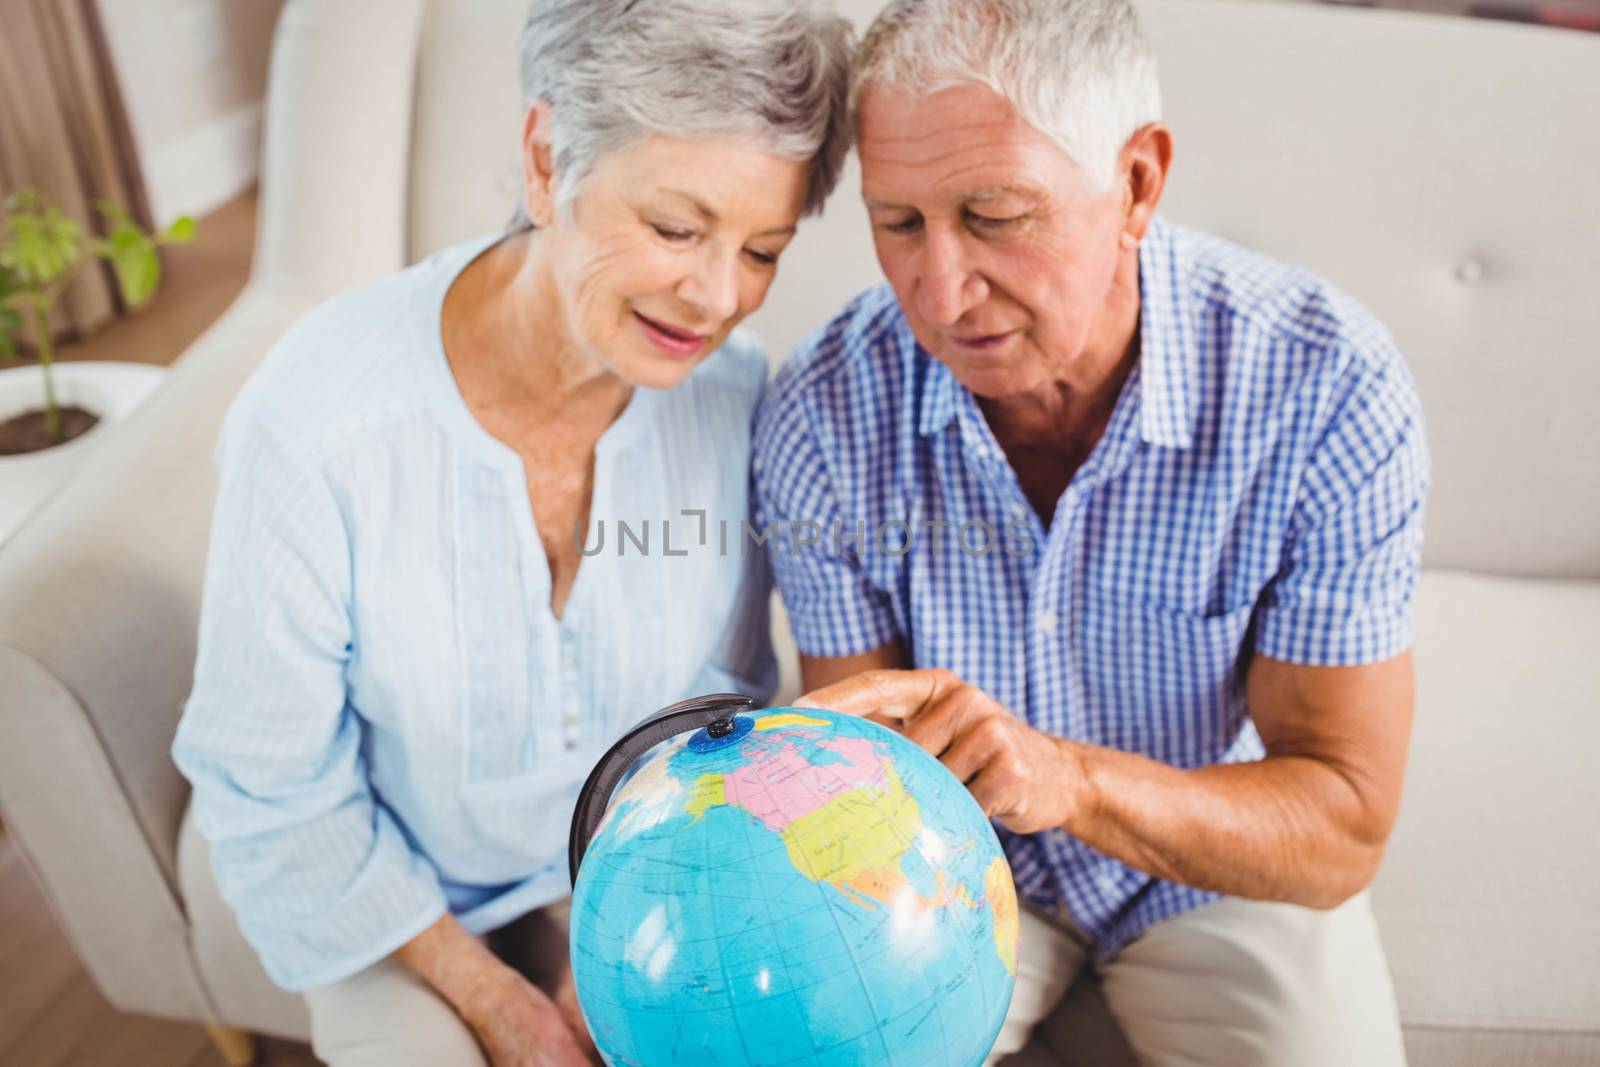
993 792
969 753
937 725
891 694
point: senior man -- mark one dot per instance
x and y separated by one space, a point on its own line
1122 522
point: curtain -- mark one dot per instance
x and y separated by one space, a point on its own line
63 131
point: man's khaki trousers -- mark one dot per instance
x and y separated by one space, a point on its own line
1235 983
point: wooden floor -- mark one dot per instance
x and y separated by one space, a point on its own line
50 1012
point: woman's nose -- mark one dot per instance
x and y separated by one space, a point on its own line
713 287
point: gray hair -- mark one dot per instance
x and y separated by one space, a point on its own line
771 73
1079 71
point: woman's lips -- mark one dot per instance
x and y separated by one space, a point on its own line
668 338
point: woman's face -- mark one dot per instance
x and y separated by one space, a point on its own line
668 245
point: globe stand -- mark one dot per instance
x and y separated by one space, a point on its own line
715 713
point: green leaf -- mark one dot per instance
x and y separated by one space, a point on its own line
131 252
138 270
126 238
180 232
43 244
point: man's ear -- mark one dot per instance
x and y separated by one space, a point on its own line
538 167
1142 168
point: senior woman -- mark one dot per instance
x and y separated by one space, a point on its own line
409 658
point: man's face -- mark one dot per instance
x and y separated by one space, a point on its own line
1000 250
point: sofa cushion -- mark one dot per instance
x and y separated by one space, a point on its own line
1487 899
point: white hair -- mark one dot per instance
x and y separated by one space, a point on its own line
774 74
1079 71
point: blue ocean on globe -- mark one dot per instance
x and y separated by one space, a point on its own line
812 889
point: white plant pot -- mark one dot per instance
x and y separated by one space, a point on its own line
110 390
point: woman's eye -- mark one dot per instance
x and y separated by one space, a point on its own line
766 259
670 233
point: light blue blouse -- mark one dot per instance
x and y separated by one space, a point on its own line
387 719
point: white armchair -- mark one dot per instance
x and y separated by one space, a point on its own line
1441 171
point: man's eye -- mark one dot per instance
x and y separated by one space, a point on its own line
911 225
990 222
671 234
766 259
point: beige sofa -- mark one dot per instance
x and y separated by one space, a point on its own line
1442 171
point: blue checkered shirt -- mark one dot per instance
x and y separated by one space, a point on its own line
1258 489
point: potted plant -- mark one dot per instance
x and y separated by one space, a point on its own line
40 250
46 409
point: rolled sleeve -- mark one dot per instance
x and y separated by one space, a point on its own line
319 872
834 607
1344 593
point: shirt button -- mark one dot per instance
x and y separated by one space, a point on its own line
568 662
1047 622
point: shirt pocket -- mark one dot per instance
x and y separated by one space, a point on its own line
1164 682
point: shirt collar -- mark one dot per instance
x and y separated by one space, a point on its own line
939 392
1169 363
1168 360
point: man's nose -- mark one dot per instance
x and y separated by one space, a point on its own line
713 286
947 287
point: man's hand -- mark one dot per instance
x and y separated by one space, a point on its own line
519 1026
1306 825
1027 779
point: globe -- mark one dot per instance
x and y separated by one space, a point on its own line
809 888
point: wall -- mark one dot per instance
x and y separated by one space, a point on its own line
193 75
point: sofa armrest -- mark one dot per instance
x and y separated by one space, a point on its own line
99 603
73 823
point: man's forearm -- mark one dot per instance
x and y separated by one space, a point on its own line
1287 828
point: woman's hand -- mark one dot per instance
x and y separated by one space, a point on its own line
566 998
519 1026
